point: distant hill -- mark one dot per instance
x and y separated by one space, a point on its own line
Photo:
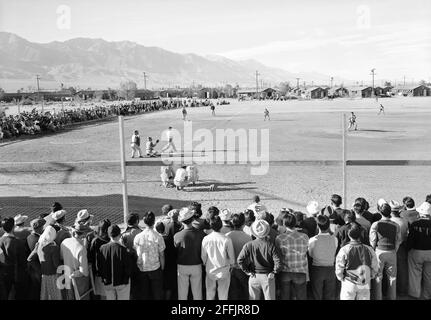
97 63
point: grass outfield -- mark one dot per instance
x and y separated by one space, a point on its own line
299 130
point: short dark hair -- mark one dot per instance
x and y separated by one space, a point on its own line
409 202
197 207
358 208
213 211
166 208
385 210
256 199
363 203
8 224
428 198
268 217
216 223
56 206
160 227
355 231
289 220
249 217
103 227
132 219
299 217
336 200
350 216
149 218
238 220
323 222
114 231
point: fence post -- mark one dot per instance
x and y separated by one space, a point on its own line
343 119
123 169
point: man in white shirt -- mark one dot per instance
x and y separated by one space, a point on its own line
149 147
170 144
218 256
136 144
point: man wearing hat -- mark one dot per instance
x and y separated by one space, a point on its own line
293 246
402 266
59 218
218 257
226 217
21 232
256 206
385 239
74 254
310 223
260 259
34 270
419 256
115 266
188 243
355 266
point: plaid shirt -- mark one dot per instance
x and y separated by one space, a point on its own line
293 246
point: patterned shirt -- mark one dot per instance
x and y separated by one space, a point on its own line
148 244
293 247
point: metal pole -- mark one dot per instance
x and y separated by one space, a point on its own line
123 169
343 119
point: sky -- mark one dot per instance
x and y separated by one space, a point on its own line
341 38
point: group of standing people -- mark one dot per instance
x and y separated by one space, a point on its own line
326 253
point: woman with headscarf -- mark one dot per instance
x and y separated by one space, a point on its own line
49 257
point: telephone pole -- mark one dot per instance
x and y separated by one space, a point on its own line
373 73
297 82
38 90
257 84
332 80
404 81
145 81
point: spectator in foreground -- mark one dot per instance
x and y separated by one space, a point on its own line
249 217
21 232
419 256
402 266
150 247
342 234
115 265
355 266
218 257
358 209
322 250
335 213
293 246
385 239
74 254
48 253
188 243
238 289
309 222
59 219
13 270
126 239
33 264
256 206
409 212
260 259
225 217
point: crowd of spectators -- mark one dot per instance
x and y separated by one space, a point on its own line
37 122
323 253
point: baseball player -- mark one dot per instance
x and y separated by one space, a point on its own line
170 144
184 113
136 144
352 122
382 109
266 115
149 147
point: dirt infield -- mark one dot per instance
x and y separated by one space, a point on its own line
299 130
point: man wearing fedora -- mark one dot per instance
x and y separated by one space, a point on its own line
63 232
188 243
21 232
226 217
34 269
74 255
260 259
402 266
419 256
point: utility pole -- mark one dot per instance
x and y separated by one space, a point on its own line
332 80
257 84
373 73
145 81
38 90
297 82
404 80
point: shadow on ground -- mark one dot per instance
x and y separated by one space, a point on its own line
102 207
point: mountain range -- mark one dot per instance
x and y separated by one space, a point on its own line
96 63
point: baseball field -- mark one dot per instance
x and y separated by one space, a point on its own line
80 168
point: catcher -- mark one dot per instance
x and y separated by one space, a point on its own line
150 147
